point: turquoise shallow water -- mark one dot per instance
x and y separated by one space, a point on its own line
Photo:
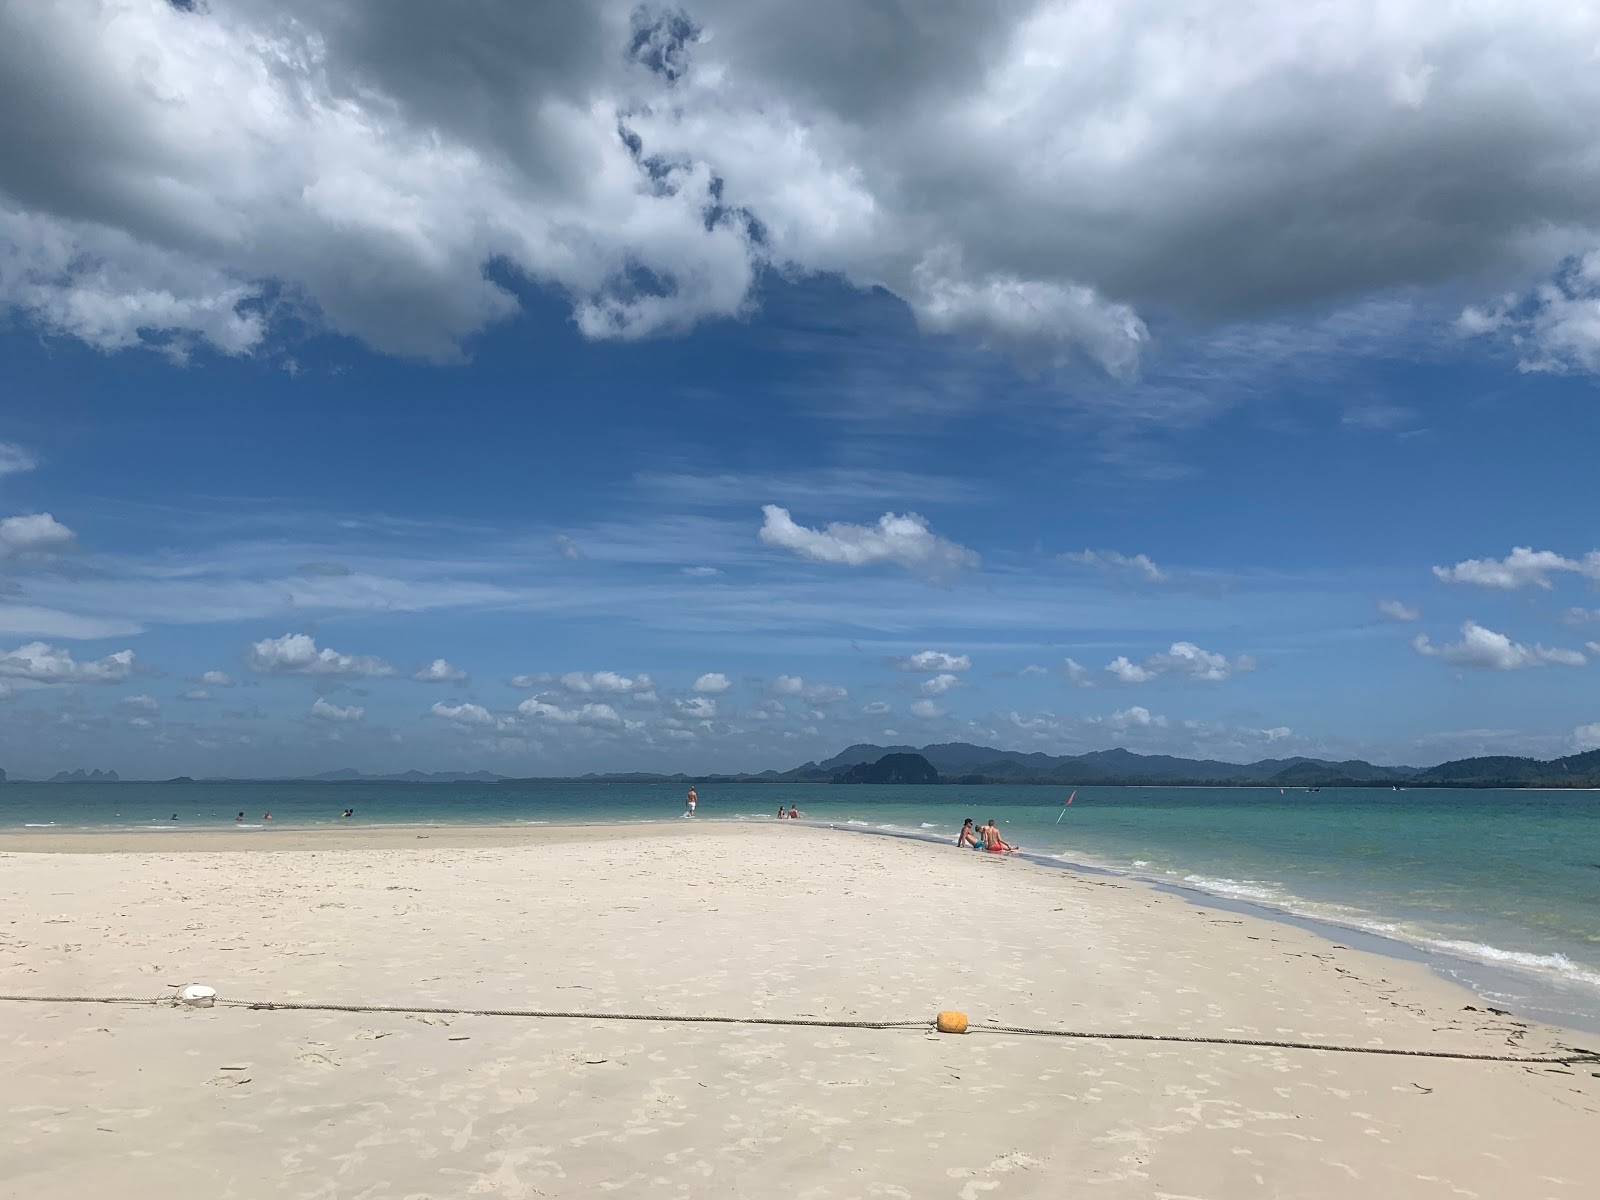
1506 879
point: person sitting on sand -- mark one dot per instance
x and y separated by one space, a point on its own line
969 835
794 813
781 813
992 841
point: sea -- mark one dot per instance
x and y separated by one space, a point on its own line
1499 890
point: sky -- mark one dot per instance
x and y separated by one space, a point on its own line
603 387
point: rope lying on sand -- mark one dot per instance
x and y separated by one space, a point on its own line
1571 1055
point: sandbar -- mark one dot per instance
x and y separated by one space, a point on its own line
702 918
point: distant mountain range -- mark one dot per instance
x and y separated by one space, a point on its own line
963 762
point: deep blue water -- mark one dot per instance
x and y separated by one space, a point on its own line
1498 877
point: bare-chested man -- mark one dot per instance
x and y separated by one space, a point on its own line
992 841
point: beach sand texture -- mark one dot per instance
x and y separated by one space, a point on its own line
770 921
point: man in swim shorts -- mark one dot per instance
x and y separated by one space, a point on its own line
690 801
992 841
969 836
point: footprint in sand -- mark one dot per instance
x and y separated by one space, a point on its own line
316 1058
228 1080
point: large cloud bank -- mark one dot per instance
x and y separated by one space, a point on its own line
1041 176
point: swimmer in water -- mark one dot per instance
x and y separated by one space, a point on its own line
239 818
794 813
266 816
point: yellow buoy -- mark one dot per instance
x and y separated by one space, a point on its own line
951 1022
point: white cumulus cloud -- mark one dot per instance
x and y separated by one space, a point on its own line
902 540
926 710
929 662
700 708
1554 327
217 679
607 683
141 703
1486 649
1135 717
819 694
939 684
1586 737
32 536
1183 660
297 654
335 713
439 671
474 715
600 716
1523 567
40 662
713 683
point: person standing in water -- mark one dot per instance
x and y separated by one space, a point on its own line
690 801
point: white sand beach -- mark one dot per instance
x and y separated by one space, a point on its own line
767 921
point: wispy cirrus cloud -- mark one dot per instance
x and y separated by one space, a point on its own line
15 459
1139 566
1397 610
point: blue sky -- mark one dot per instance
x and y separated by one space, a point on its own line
645 477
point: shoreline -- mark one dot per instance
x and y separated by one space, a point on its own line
1529 992
1555 999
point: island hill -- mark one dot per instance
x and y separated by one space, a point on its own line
962 762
